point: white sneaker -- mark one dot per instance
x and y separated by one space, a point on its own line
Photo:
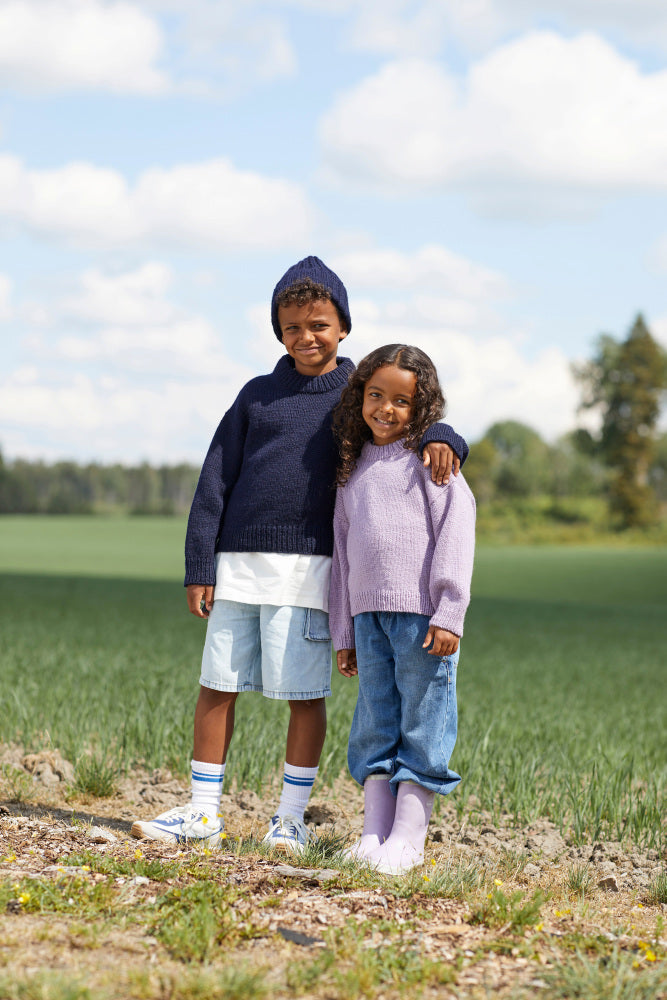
287 833
180 826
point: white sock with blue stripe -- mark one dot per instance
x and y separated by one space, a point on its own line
297 785
207 782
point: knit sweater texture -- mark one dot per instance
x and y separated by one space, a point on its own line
267 482
401 543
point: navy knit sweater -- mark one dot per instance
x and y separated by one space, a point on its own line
267 482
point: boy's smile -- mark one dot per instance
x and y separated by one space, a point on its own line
311 334
389 403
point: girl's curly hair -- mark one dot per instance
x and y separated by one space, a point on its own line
350 428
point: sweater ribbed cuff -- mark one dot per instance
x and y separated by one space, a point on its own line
447 435
451 623
343 640
200 571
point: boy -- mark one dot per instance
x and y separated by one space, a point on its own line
258 555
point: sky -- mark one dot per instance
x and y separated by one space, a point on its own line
487 177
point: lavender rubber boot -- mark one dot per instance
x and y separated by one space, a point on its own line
404 849
379 809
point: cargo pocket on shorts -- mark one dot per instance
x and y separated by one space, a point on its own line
316 625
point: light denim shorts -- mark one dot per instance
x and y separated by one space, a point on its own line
283 652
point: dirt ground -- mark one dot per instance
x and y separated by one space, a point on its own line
293 909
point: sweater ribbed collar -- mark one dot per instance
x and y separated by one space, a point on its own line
377 452
293 380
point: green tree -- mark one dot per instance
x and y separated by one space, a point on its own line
481 469
625 383
522 466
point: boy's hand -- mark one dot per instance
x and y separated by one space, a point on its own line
444 643
442 460
200 599
346 661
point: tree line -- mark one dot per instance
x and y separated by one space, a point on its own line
626 464
69 488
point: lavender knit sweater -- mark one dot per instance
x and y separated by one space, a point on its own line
401 543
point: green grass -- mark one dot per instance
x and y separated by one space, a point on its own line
146 548
561 687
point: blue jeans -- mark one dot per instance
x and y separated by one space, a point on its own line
404 722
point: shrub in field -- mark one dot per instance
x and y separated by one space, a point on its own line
611 975
657 893
580 881
347 968
194 921
454 880
510 912
95 775
16 784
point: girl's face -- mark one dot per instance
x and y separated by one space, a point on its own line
389 403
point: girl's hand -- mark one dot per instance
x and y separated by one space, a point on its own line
346 661
442 460
200 599
444 643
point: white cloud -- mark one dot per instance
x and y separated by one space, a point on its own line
187 346
210 204
109 419
80 44
132 327
222 47
431 267
131 298
397 26
5 297
407 27
485 379
143 378
644 22
658 328
542 110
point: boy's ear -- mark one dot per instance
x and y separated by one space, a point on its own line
343 334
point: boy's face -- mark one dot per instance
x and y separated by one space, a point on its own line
311 334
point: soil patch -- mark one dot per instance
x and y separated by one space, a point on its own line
461 921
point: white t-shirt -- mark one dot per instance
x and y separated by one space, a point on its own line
278 578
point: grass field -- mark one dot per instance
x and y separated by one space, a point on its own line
562 686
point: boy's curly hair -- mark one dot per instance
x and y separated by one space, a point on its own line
305 291
350 428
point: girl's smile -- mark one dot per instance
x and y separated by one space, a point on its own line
388 403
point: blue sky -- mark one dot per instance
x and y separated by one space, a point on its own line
488 177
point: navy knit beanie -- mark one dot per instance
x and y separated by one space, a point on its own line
316 270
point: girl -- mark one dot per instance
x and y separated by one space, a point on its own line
403 555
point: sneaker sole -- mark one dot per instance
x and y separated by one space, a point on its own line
137 830
286 846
